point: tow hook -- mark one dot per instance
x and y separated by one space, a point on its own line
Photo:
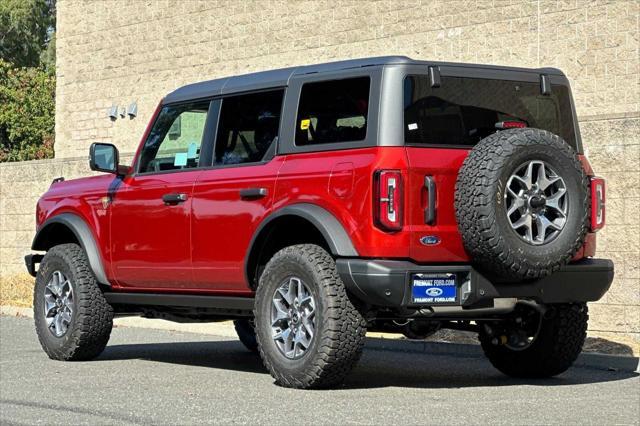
499 341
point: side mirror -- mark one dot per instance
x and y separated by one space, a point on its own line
103 157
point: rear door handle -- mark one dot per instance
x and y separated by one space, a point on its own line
430 210
253 193
173 199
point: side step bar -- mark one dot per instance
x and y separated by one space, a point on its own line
183 300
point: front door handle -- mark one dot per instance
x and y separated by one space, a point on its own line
253 193
173 199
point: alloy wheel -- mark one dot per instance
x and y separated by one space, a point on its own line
293 319
58 304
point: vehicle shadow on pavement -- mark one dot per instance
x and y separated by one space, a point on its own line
377 368
228 355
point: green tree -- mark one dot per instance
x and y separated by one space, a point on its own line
25 30
27 79
27 113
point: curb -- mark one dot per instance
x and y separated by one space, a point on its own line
226 329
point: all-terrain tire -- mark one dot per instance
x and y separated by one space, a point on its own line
340 329
246 333
482 219
92 317
555 349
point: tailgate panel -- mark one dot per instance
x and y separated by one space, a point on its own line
443 165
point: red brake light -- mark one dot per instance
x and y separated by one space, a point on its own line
597 203
387 203
510 125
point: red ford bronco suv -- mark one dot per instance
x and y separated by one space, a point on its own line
312 204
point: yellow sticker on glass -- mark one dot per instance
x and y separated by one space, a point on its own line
304 124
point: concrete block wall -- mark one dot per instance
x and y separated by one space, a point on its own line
114 52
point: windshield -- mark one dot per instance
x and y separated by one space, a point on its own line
462 111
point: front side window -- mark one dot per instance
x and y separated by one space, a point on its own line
175 139
462 111
333 111
248 127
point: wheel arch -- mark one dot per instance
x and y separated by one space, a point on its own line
295 224
71 228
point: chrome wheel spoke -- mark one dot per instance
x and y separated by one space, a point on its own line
528 176
285 295
302 339
556 199
542 180
281 313
58 324
299 290
518 203
523 182
308 326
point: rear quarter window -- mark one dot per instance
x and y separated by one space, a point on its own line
462 111
333 111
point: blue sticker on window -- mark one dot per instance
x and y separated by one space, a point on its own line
192 152
180 160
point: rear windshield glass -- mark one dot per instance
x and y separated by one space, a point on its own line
462 111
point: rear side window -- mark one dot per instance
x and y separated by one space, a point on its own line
462 111
248 127
175 138
333 111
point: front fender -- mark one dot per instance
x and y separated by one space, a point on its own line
82 233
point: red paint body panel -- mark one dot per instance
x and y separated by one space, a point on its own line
443 164
307 178
82 197
223 223
151 241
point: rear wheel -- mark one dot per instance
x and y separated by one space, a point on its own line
246 333
73 319
309 333
535 345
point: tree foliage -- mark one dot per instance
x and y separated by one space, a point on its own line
27 113
24 30
27 79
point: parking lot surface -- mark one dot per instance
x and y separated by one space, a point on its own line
148 376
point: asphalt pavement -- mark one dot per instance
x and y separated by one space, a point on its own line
148 376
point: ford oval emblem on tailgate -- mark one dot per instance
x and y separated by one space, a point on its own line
429 240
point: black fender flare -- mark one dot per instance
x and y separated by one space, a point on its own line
83 234
331 229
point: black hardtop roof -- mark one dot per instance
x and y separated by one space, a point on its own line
281 77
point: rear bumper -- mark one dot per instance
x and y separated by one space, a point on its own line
386 283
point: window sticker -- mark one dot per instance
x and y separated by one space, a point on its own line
304 124
180 160
192 151
413 126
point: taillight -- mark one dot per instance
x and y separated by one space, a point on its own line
510 125
597 203
387 203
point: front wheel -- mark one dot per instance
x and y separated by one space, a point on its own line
533 344
309 333
72 318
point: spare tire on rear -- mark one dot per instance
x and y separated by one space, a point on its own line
522 204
